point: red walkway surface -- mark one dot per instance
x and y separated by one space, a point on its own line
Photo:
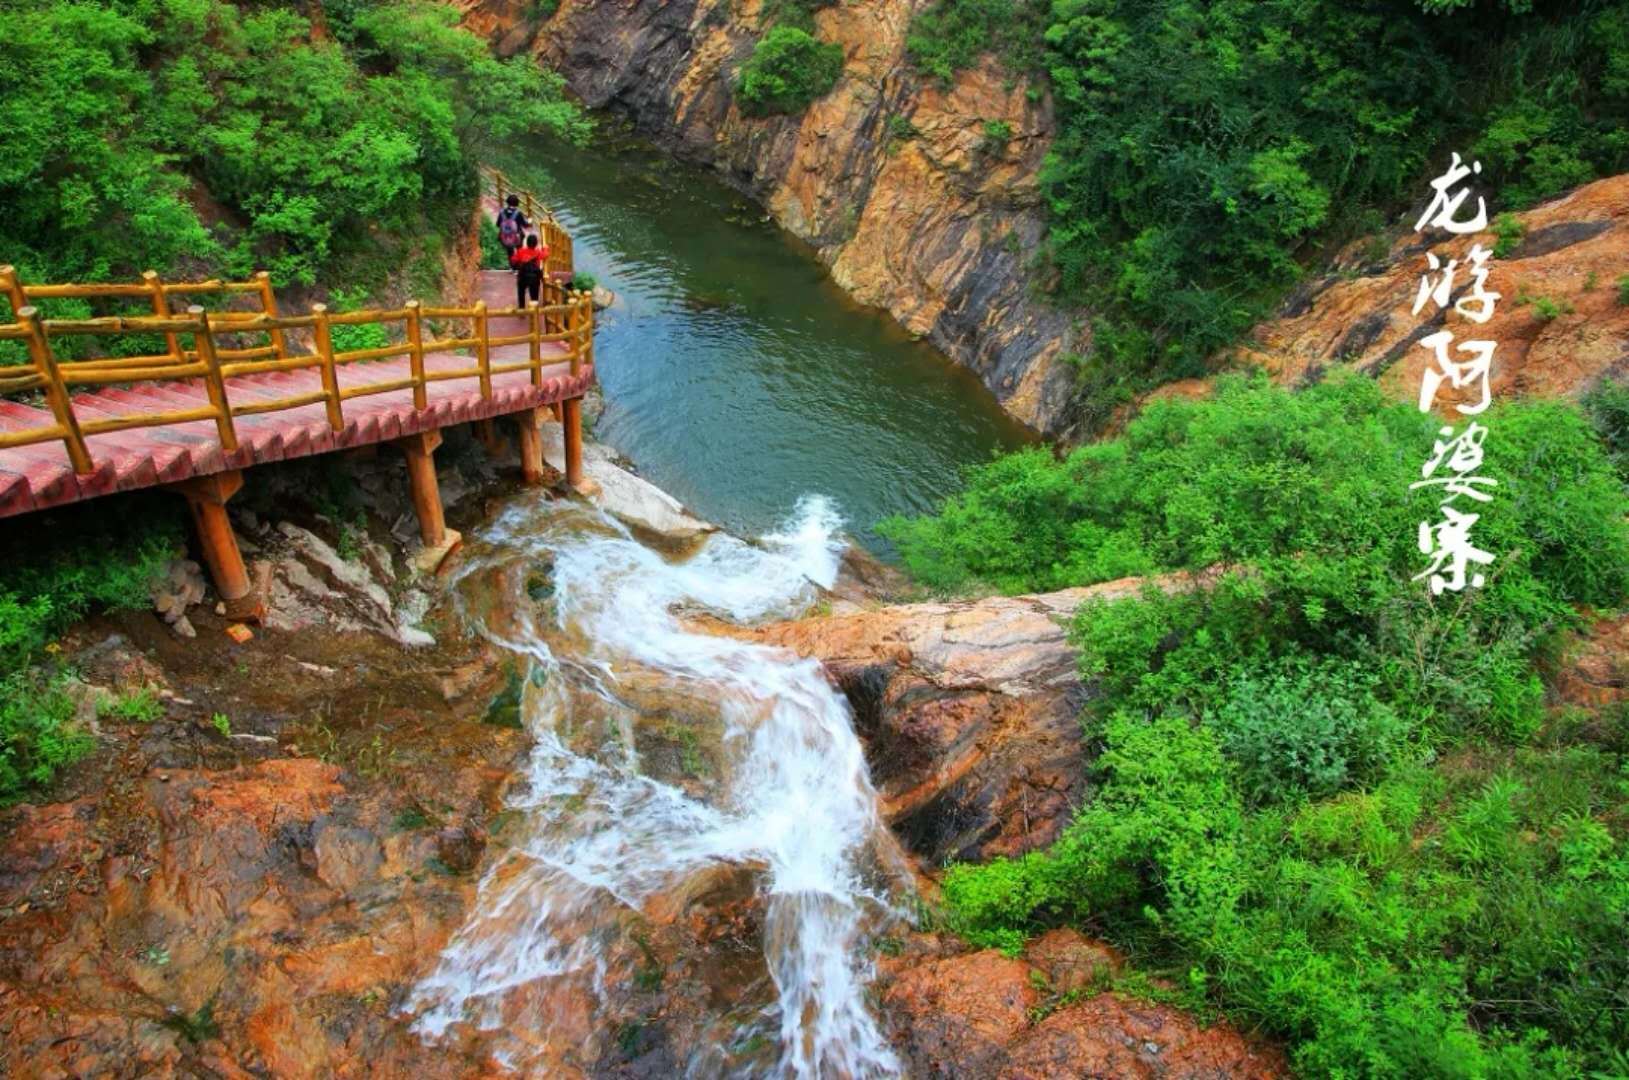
40 476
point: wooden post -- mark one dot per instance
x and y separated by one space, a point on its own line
161 308
421 476
483 351
582 327
531 444
268 304
206 497
56 392
486 432
534 344
213 383
588 327
415 342
14 291
330 377
572 422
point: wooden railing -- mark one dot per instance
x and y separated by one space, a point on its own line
196 350
550 231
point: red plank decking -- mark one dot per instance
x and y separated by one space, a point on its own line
39 476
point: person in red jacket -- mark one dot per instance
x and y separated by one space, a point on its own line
528 262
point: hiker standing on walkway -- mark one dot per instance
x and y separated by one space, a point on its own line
527 262
512 225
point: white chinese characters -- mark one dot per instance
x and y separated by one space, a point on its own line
1453 470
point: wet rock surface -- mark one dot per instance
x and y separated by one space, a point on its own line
969 711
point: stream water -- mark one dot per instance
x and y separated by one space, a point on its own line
737 377
613 831
680 780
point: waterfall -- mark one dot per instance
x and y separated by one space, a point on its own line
600 838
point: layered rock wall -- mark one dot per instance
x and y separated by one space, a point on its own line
892 177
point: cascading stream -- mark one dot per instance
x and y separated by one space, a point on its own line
600 838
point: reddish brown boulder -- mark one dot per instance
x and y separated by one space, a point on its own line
960 1014
982 1014
1111 1035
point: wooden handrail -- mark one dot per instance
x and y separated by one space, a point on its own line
564 317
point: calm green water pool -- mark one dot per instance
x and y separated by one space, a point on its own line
736 375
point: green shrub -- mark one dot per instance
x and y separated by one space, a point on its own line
1508 232
788 69
582 281
997 134
1548 309
362 336
109 559
1305 727
1377 945
320 151
1607 405
111 563
38 736
1623 290
493 255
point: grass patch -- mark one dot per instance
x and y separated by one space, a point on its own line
135 706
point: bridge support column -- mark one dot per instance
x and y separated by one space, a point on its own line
531 444
486 432
207 497
439 541
571 421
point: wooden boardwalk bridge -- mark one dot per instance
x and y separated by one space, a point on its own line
241 384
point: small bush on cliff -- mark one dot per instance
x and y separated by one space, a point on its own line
788 69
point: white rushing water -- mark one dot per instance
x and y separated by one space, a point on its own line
600 838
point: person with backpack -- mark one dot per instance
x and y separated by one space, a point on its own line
512 225
528 262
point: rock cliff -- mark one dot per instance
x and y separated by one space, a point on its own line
892 177
1561 323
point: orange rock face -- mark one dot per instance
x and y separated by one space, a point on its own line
1559 325
892 177
262 928
1041 1016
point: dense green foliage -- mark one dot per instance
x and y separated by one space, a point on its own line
1329 803
311 149
110 564
1204 148
1608 408
788 69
